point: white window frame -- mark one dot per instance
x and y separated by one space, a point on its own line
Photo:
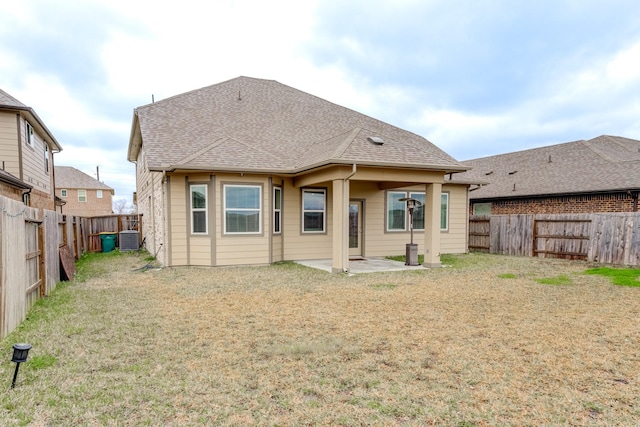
82 194
252 209
277 211
63 193
46 158
194 210
99 194
404 209
29 132
323 210
444 201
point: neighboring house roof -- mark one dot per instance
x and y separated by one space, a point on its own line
69 177
8 102
603 164
261 125
7 178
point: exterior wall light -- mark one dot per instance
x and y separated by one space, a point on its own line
20 352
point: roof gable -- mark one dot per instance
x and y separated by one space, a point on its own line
255 124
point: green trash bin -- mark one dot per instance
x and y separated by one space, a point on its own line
108 241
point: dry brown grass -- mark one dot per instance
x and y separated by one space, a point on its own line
288 345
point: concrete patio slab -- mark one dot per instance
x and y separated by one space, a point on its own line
363 265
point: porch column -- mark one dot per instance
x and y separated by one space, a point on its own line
340 263
433 200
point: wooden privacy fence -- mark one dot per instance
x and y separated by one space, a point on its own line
609 238
34 244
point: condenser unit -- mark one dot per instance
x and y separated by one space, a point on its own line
129 240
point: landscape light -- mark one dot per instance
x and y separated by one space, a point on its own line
20 352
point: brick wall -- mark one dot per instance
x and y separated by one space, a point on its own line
588 203
10 192
94 206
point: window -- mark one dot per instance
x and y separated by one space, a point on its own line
242 209
82 195
63 193
198 209
396 211
46 158
418 212
482 208
397 214
99 194
30 137
313 211
444 211
277 210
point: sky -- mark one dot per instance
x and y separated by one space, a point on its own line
475 77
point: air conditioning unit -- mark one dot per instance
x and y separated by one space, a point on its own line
129 240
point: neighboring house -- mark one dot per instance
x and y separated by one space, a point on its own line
251 171
26 153
598 175
82 194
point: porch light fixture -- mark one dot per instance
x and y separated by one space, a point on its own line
20 352
412 249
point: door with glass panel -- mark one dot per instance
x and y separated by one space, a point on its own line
355 228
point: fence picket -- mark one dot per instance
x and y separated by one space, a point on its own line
609 238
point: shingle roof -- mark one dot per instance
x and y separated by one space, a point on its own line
606 163
262 125
9 101
69 177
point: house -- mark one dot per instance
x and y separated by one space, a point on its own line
81 194
26 153
252 171
598 175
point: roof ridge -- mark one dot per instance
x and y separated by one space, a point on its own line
347 142
203 150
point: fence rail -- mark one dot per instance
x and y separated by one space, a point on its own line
32 247
609 238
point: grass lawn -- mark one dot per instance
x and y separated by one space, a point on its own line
481 342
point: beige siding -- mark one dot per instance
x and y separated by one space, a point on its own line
178 231
9 155
298 245
242 249
454 241
33 162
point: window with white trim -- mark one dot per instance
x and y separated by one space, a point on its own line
46 157
242 209
277 210
63 193
29 132
314 206
198 208
82 195
396 211
444 211
397 214
99 194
